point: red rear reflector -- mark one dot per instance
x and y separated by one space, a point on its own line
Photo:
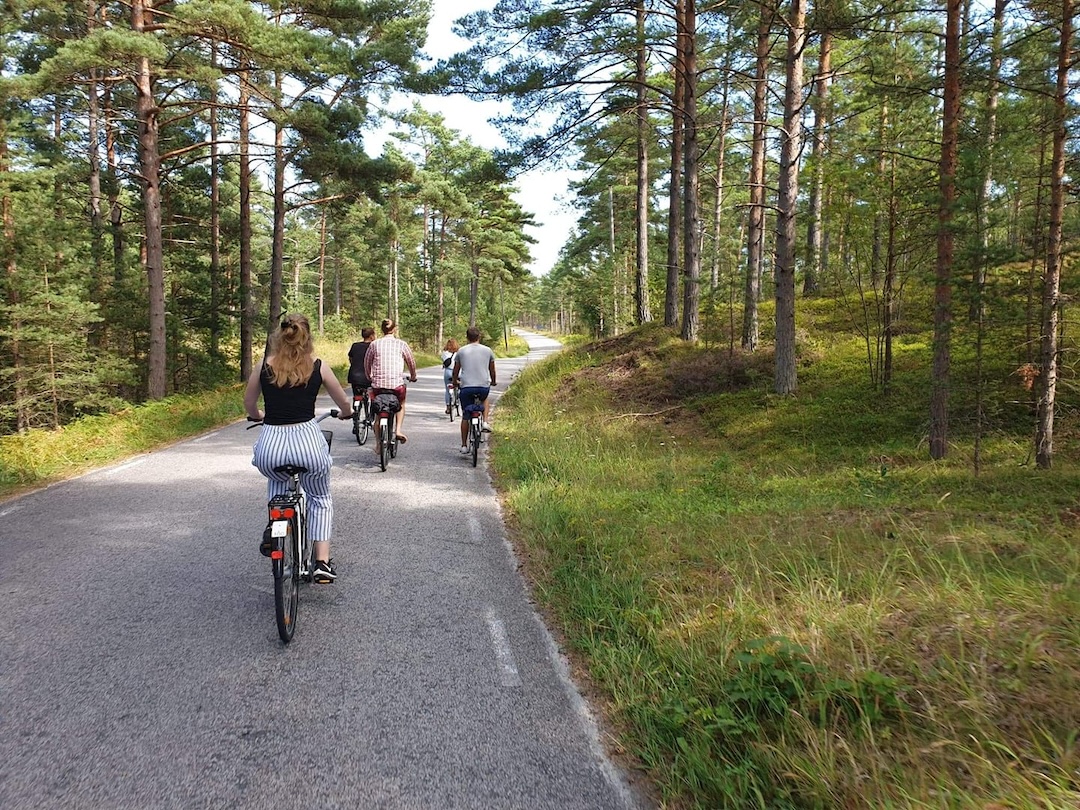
275 514
276 555
289 513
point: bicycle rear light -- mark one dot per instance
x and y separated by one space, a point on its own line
277 554
277 513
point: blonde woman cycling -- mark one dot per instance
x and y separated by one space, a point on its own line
289 379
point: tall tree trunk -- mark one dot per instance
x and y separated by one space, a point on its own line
977 307
11 267
322 271
815 224
97 221
785 370
671 288
116 211
755 231
215 220
877 249
150 174
277 250
1044 435
721 154
950 114
395 312
691 183
641 220
1038 248
247 299
888 289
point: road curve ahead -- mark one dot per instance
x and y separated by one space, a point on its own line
140 665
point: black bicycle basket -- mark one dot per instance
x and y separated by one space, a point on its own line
387 402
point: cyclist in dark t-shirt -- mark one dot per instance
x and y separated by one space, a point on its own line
358 378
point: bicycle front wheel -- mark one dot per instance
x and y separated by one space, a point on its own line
362 426
287 581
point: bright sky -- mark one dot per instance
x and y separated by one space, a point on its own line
539 192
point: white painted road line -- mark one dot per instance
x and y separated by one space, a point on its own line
508 672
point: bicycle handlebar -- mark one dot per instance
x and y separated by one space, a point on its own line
332 412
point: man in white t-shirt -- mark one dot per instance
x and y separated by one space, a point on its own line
474 368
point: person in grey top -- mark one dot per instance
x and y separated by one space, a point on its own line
474 369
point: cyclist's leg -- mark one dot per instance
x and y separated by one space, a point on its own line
400 416
487 405
320 520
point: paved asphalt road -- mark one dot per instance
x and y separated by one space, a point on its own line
140 665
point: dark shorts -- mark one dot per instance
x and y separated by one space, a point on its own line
473 392
400 391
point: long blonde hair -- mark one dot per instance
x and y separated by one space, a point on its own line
292 351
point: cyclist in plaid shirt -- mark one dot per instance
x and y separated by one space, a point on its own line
383 366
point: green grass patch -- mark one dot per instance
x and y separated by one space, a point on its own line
784 603
38 457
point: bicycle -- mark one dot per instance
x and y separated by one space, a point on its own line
387 405
290 548
474 412
455 401
362 417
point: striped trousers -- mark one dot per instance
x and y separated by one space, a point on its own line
303 445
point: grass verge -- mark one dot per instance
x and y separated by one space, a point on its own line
782 603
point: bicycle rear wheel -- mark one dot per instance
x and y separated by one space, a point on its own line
474 433
286 580
384 442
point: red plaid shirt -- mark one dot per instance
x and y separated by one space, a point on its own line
383 361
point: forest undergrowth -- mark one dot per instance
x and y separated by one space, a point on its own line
782 602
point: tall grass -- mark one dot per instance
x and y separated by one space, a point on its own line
783 602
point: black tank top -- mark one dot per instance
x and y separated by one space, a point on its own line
293 404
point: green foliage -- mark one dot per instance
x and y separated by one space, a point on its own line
57 375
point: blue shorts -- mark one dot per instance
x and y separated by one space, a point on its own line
473 393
